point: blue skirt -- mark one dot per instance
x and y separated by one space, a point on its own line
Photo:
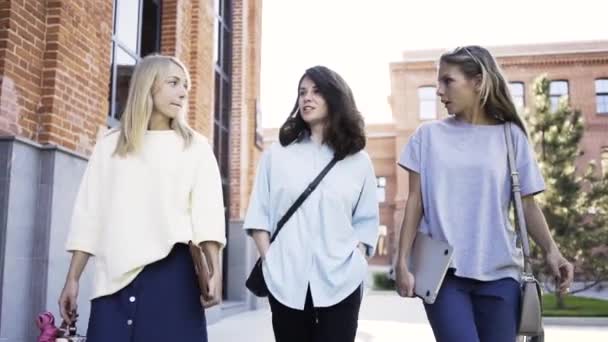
162 304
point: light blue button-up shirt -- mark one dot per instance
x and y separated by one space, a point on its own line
318 244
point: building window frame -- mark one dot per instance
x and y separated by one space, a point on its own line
381 188
258 139
223 86
427 102
222 111
554 97
601 96
121 50
604 160
521 105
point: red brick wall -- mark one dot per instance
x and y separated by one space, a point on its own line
238 119
201 67
75 74
176 25
246 44
168 35
55 60
55 57
380 147
187 33
21 51
55 66
254 63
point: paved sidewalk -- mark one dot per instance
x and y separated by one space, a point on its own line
384 317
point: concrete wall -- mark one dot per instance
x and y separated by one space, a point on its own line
37 186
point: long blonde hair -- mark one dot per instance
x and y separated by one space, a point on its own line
495 96
138 109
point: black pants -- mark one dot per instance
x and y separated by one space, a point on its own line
336 323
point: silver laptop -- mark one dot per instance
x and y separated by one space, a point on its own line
429 262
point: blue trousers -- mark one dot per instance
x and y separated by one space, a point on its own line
469 310
162 304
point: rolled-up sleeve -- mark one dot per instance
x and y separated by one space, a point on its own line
207 200
530 175
86 222
366 216
258 213
410 155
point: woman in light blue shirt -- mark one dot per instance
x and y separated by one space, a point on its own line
314 269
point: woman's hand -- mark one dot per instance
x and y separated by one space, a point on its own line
561 269
211 249
405 281
262 241
69 295
213 296
539 231
68 301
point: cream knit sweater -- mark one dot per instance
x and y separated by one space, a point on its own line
130 211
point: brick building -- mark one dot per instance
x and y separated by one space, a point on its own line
578 70
64 71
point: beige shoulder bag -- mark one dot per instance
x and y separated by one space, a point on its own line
530 319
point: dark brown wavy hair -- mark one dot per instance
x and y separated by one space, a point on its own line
495 96
344 130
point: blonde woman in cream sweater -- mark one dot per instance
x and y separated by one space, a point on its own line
150 187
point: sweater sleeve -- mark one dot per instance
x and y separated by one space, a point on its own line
85 225
207 200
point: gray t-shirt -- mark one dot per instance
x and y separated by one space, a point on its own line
466 191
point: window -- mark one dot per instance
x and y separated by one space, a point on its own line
136 33
604 160
381 189
557 89
258 140
223 85
222 56
427 99
381 246
517 94
601 96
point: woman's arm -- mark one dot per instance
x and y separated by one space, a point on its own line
77 265
539 232
212 249
262 241
537 225
411 221
257 221
69 295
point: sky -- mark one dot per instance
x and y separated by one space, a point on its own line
358 39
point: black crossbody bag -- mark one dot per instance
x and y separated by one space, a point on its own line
255 282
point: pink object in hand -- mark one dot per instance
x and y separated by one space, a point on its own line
46 324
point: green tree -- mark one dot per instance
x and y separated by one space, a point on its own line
575 202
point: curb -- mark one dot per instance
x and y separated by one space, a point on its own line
577 321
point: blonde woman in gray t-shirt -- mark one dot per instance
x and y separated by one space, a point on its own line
459 192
